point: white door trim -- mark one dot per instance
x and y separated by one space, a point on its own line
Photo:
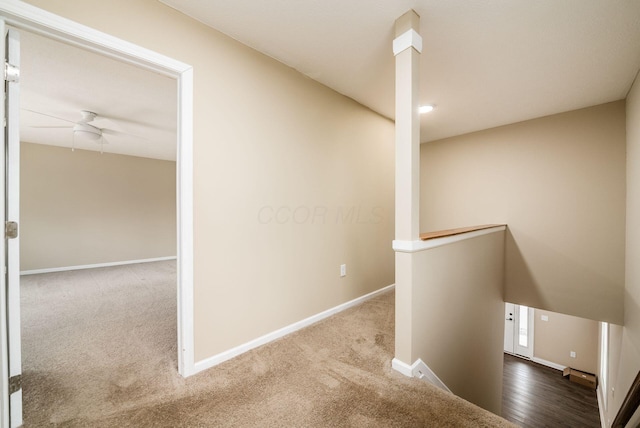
4 331
31 18
12 213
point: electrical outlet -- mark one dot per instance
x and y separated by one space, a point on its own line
343 270
544 317
572 354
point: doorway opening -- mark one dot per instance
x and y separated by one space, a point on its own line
98 223
518 330
24 17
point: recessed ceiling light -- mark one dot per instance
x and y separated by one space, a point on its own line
425 109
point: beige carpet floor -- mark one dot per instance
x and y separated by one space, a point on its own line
99 350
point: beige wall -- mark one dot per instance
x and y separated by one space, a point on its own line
458 323
625 349
559 183
81 207
630 357
266 137
555 338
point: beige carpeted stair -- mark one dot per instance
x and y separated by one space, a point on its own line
99 349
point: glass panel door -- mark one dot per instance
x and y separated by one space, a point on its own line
524 331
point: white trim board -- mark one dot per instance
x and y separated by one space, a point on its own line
424 372
548 363
95 265
27 17
420 370
274 335
406 40
402 367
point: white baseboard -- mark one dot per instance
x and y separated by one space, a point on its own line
548 363
601 409
419 370
270 337
97 265
422 371
401 367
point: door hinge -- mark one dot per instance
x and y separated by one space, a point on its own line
15 383
11 73
11 229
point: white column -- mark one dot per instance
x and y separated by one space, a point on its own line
406 48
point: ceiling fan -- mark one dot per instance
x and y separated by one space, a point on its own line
84 128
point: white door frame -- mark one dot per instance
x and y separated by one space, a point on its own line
11 279
513 340
27 17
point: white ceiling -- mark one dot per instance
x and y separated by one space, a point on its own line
60 80
485 63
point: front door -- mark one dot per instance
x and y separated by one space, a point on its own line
518 330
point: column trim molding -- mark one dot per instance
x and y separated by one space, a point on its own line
406 40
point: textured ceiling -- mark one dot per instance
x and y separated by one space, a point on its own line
136 105
484 63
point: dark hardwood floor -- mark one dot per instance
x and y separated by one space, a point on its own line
538 396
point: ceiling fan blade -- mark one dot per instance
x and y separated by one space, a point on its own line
114 132
46 127
123 120
48 115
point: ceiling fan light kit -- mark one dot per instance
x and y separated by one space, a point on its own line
87 131
83 129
